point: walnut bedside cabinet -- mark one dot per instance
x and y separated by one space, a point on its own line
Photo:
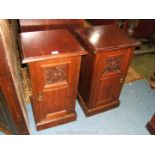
104 69
54 58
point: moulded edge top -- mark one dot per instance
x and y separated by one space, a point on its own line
82 35
26 50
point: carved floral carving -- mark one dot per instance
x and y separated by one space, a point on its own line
55 74
113 64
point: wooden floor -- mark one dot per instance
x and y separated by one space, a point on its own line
144 65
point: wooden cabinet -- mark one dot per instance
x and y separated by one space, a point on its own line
104 69
13 116
6 122
144 29
28 25
97 22
151 125
54 59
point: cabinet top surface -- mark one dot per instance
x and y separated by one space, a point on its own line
41 45
40 22
102 38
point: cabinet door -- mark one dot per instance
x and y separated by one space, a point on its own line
54 86
109 89
110 71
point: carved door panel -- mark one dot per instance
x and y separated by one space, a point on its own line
110 75
115 62
55 87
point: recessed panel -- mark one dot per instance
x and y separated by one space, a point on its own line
106 91
56 100
113 64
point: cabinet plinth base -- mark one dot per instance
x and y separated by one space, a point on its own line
59 121
54 122
89 112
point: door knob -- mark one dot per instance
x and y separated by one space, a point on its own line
121 80
40 97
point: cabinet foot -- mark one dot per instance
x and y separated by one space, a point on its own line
59 121
151 125
89 112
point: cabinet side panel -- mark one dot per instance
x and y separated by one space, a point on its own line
10 78
86 74
5 119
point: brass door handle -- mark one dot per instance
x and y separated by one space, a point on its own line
40 97
121 80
